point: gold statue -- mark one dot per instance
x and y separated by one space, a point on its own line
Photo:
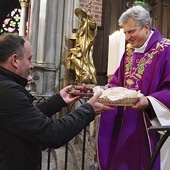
80 57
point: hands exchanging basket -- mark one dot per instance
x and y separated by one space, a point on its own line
107 97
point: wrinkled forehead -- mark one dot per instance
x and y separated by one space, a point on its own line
130 23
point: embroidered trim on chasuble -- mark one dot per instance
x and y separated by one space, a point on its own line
134 73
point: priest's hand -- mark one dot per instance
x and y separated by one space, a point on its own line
141 104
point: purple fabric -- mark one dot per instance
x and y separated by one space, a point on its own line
124 142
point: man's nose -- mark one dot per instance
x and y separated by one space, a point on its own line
31 65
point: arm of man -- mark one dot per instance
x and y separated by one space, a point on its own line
27 122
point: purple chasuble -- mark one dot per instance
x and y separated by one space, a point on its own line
124 142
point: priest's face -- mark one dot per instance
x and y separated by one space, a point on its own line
135 35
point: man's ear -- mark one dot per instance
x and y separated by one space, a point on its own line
14 60
147 26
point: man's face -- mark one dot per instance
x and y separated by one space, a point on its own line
25 64
135 35
28 86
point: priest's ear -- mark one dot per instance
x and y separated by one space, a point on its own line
147 26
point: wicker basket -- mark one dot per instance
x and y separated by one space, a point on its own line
120 102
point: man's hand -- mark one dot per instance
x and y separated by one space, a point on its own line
98 107
68 98
142 103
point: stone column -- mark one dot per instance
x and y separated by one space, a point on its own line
69 24
51 33
33 26
42 31
75 19
24 12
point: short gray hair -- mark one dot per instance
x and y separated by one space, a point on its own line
139 14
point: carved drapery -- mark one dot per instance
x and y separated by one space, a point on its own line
80 57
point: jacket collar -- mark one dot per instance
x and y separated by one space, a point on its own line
8 75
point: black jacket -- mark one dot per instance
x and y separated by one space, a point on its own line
24 128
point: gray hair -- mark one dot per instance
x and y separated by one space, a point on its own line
11 44
139 14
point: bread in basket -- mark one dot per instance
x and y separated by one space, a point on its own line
117 96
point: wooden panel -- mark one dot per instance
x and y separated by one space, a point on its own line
166 20
111 12
100 62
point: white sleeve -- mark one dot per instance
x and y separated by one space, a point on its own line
162 119
162 112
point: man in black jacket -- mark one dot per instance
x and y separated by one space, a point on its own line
24 128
